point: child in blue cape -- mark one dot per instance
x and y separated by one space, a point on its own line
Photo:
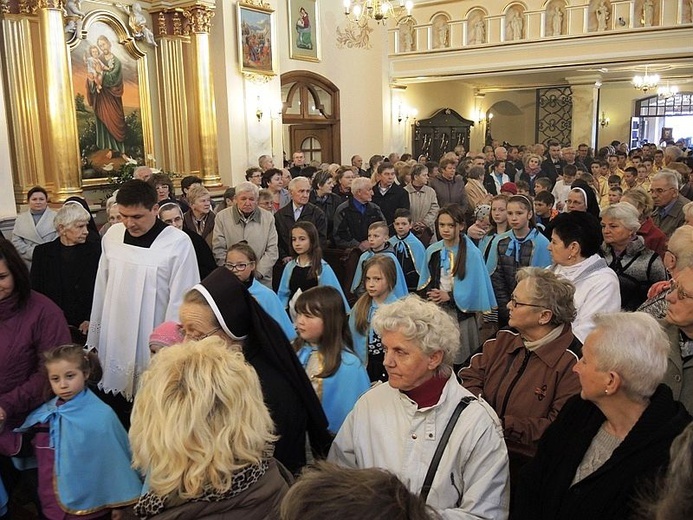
307 269
455 278
324 348
379 281
522 246
241 261
409 250
378 236
82 450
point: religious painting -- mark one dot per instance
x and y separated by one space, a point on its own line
304 28
107 79
256 39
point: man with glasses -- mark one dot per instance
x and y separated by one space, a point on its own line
668 214
678 324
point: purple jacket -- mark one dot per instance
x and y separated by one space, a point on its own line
24 335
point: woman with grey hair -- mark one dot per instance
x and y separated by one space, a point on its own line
607 445
526 372
636 266
399 425
65 269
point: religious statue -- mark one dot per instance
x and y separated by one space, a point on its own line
138 23
73 13
647 13
603 13
441 30
515 23
557 21
479 31
406 35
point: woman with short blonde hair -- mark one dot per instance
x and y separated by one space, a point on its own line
200 432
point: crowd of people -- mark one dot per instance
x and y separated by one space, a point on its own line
498 334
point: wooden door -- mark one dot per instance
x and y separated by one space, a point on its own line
315 141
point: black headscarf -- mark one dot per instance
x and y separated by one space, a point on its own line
289 395
91 226
591 200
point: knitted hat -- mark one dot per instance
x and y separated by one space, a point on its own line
482 211
166 334
509 187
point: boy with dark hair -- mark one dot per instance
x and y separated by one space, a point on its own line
543 208
409 250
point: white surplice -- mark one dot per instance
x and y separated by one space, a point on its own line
136 289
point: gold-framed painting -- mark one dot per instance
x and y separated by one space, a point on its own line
256 29
304 30
112 98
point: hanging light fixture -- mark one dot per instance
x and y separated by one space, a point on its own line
361 11
646 82
665 92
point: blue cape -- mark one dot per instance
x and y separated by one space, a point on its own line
326 277
475 292
271 305
4 499
92 455
540 256
360 341
412 247
339 392
400 288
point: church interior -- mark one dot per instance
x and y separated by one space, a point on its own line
207 87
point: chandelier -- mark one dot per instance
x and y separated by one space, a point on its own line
665 92
646 82
378 10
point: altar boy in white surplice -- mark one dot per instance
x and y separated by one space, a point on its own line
146 267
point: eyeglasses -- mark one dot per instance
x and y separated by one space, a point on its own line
236 267
680 292
515 303
659 191
197 338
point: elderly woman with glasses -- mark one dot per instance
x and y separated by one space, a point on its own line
636 266
201 432
65 269
221 306
397 426
525 373
607 445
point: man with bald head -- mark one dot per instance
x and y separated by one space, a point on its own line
501 154
298 210
357 162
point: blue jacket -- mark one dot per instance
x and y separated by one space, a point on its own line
339 392
271 304
92 454
326 277
474 293
361 341
409 247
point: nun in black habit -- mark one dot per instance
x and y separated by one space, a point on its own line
292 402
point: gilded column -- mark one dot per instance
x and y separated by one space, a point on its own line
173 111
20 77
199 17
62 162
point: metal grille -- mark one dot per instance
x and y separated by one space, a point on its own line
554 114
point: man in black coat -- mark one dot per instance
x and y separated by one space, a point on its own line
352 218
388 195
299 209
553 166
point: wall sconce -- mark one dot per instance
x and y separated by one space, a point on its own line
405 113
604 121
258 110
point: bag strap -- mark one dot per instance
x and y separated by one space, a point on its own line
438 455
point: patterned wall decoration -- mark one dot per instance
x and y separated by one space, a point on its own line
554 114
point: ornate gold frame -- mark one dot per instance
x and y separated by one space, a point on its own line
264 9
130 45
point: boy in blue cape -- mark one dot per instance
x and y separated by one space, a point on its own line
410 252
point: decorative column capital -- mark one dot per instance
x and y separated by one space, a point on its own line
199 18
50 4
21 6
